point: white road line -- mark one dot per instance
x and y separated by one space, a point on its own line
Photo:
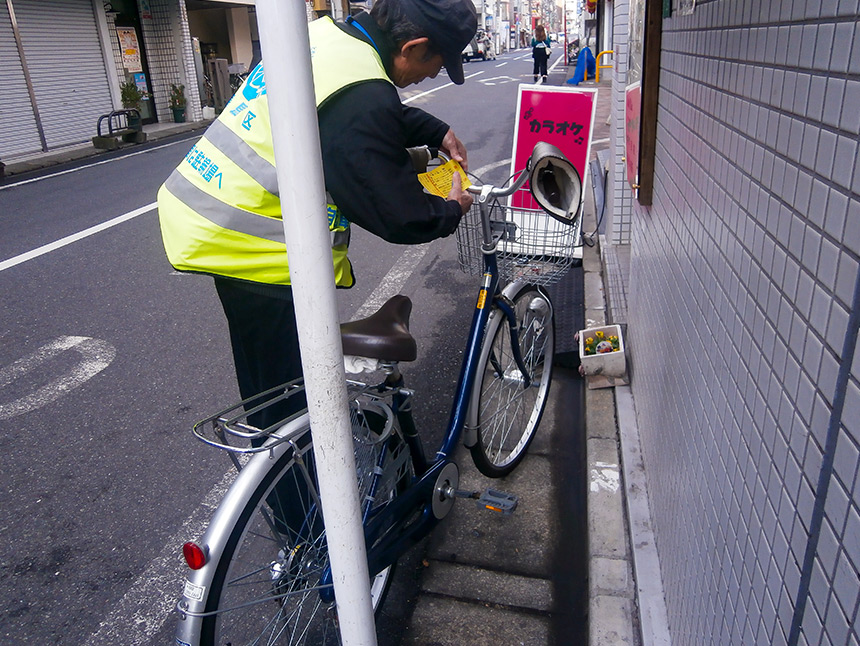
80 235
98 163
436 89
96 355
498 80
393 281
493 166
150 600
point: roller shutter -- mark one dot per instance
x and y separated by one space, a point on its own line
18 132
64 56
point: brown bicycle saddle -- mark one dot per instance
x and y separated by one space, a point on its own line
383 335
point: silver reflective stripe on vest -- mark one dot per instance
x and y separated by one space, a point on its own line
224 215
239 152
340 238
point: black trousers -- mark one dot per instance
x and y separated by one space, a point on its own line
540 57
265 342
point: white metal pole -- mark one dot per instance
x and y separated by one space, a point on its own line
295 131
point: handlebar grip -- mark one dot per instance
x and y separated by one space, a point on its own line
420 156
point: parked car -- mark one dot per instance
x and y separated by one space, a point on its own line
480 47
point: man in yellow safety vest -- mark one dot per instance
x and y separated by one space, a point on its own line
220 212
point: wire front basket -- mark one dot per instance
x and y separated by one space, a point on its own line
532 245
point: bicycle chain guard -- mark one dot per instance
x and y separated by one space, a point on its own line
443 490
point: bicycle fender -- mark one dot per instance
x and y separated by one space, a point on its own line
198 582
470 431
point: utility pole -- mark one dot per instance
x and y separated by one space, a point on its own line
290 91
564 27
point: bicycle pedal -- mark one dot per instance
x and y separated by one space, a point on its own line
498 501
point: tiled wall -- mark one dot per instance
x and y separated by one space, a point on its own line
164 24
742 278
166 27
115 50
194 108
619 196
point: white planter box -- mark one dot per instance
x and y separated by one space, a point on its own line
608 364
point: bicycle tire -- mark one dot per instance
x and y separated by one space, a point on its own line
265 587
508 414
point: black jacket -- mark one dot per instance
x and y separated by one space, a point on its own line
364 133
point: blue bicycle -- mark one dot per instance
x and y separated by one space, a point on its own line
261 574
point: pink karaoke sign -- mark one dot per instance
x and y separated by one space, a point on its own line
561 116
632 118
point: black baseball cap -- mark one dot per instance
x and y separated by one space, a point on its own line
450 25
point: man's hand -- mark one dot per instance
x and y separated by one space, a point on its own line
455 149
459 195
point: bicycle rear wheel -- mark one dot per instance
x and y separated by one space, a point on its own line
267 586
508 410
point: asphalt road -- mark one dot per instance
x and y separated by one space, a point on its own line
108 357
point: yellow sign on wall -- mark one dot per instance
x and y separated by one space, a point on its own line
130 49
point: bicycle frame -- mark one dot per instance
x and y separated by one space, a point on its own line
386 535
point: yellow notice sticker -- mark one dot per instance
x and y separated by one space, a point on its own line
438 181
482 299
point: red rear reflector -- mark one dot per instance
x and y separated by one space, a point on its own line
194 555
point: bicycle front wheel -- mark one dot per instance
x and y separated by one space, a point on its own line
509 403
271 585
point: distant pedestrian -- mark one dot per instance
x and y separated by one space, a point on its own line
540 52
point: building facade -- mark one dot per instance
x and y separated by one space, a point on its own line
62 62
743 313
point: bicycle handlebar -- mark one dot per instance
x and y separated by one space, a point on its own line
553 180
486 191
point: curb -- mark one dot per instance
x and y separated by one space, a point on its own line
30 163
613 613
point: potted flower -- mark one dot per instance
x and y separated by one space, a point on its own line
177 102
131 96
602 352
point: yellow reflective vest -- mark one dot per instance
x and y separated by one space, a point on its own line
219 210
